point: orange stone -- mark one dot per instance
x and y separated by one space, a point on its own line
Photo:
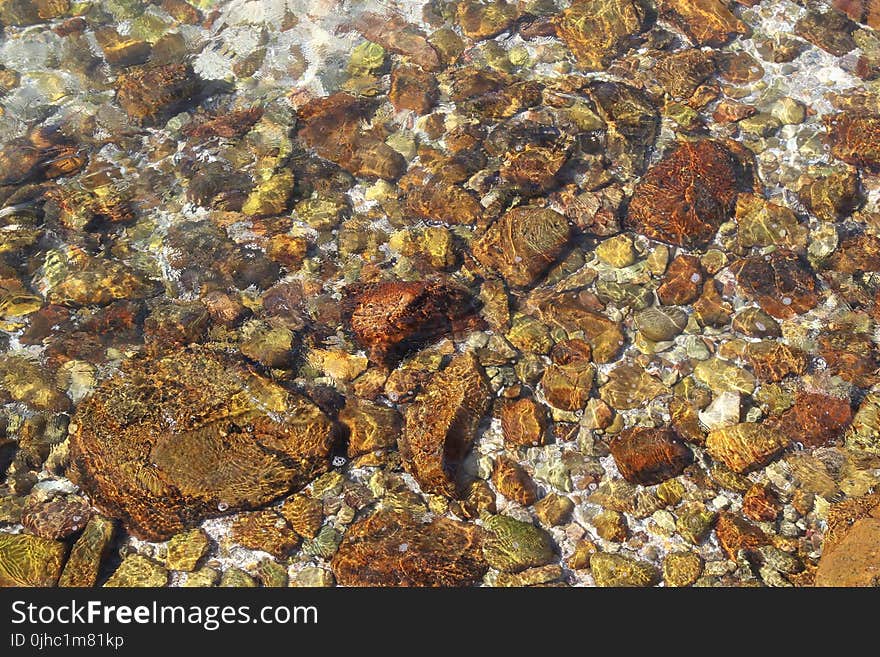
682 282
779 282
736 533
649 456
761 504
814 420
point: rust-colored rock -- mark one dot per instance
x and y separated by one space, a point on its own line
484 20
649 456
523 244
855 138
597 31
512 481
568 381
567 311
761 504
814 420
736 533
394 549
855 561
412 89
773 361
332 125
682 281
852 356
779 282
175 439
843 515
442 422
680 73
711 309
392 318
524 422
706 22
684 198
863 11
151 93
745 446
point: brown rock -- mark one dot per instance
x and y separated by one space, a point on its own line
855 138
392 318
265 530
633 125
739 67
852 356
332 125
568 311
523 244
843 515
630 386
829 29
57 518
855 561
814 419
412 89
745 446
597 31
684 198
611 525
736 533
305 514
773 361
151 93
779 282
371 426
568 381
863 11
682 281
685 421
437 199
761 504
524 422
649 456
512 481
175 439
394 549
534 169
755 323
553 510
393 33
711 309
485 20
441 424
706 22
682 72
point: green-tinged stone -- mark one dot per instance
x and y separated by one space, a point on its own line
630 295
366 58
531 577
553 510
186 549
762 223
137 570
694 522
661 323
314 576
864 433
529 334
597 31
761 125
25 381
27 560
268 345
87 553
31 12
325 544
833 196
272 574
514 546
789 111
682 568
721 376
271 196
75 278
617 570
204 577
670 492
237 578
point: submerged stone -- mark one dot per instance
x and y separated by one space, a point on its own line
27 560
391 548
597 31
176 439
